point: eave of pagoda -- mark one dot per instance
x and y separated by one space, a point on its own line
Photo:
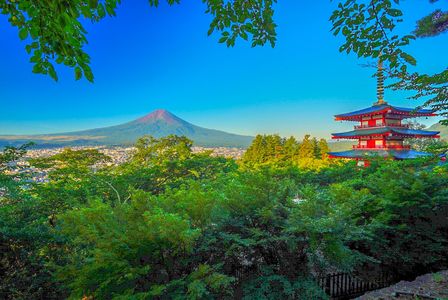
390 112
356 137
384 132
387 153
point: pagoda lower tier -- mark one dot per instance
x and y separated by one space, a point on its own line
381 132
363 154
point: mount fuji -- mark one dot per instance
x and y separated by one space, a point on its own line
159 123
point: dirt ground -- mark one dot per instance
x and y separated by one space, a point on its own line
425 287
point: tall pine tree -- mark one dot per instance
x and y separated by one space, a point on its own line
306 148
323 149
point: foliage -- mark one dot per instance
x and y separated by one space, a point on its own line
9 178
432 25
25 234
434 146
56 34
169 223
407 204
366 26
368 31
152 150
272 149
127 249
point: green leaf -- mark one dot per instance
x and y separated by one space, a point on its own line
88 73
395 12
60 60
93 4
78 73
101 11
23 33
408 58
37 68
52 73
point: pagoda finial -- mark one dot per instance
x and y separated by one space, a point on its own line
380 84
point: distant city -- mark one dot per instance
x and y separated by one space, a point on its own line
118 156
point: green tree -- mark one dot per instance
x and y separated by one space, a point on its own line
291 148
405 202
197 226
274 144
315 143
10 175
74 177
323 149
150 150
265 149
55 32
25 234
137 249
422 144
281 152
306 148
253 152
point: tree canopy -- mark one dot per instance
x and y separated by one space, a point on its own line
272 149
56 34
172 224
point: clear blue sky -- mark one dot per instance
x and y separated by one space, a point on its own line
147 58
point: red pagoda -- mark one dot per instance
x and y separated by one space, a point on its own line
381 131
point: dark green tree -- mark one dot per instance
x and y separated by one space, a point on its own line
265 149
291 148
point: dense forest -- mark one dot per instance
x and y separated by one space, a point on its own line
172 224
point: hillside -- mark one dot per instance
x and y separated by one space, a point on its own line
336 146
158 124
443 130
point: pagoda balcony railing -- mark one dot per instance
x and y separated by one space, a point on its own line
381 147
381 125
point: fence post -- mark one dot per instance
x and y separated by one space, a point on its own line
327 284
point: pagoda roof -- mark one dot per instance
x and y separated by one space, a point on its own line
375 109
397 154
383 130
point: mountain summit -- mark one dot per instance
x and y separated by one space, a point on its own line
159 123
159 115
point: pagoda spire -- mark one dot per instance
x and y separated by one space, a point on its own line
380 84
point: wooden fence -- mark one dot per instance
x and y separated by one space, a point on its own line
338 286
342 286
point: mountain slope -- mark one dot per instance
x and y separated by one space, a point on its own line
158 124
443 130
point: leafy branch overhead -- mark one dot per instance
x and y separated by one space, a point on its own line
57 36
368 29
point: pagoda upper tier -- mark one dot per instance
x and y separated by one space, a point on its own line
386 110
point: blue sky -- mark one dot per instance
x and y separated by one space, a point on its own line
147 58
